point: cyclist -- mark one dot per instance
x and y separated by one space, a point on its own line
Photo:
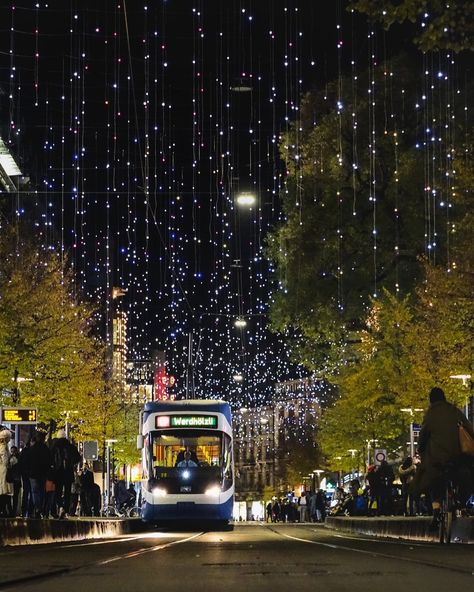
438 447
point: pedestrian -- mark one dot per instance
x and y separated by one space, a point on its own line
407 472
320 505
65 458
5 487
15 479
385 479
313 515
303 507
373 483
36 462
26 498
276 511
269 511
87 486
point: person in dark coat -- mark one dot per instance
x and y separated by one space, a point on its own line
87 487
65 458
385 479
36 463
438 445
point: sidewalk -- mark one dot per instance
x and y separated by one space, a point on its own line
20 531
398 527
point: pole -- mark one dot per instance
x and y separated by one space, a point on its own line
412 441
108 474
189 370
16 401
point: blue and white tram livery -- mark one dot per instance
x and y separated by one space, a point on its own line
188 469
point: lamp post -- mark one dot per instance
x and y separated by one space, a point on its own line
412 412
353 452
468 410
67 425
317 472
109 442
16 399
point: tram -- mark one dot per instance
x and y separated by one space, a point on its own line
187 460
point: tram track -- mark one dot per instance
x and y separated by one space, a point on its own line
57 572
377 554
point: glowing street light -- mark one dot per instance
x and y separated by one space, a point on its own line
246 198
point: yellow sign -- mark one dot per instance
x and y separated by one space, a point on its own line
24 415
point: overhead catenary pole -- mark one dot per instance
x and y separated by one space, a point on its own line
190 369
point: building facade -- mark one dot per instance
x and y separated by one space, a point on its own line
265 437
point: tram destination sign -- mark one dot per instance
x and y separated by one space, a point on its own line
19 415
186 421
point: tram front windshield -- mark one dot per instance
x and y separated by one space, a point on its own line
199 448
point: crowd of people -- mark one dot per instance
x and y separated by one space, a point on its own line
411 487
45 479
311 506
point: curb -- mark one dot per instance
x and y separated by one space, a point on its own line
20 531
412 529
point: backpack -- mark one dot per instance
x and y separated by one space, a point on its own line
360 505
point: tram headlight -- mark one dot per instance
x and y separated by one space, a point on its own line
158 491
185 474
213 491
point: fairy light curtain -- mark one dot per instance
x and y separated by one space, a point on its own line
148 118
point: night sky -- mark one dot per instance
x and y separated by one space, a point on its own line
138 123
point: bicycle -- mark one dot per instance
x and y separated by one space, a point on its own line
112 511
449 508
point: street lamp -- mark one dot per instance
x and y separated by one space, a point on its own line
465 378
246 198
353 452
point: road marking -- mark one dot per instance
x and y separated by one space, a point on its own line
148 550
375 554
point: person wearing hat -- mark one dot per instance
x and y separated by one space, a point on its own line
438 445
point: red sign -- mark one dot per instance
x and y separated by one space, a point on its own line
162 382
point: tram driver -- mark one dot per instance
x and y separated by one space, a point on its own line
187 460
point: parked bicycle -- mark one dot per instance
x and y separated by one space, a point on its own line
126 510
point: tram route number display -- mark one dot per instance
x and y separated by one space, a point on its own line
186 421
19 415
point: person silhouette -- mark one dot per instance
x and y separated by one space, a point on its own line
187 461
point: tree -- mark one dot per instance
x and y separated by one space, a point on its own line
46 333
375 385
328 255
443 25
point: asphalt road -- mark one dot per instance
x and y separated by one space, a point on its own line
251 557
